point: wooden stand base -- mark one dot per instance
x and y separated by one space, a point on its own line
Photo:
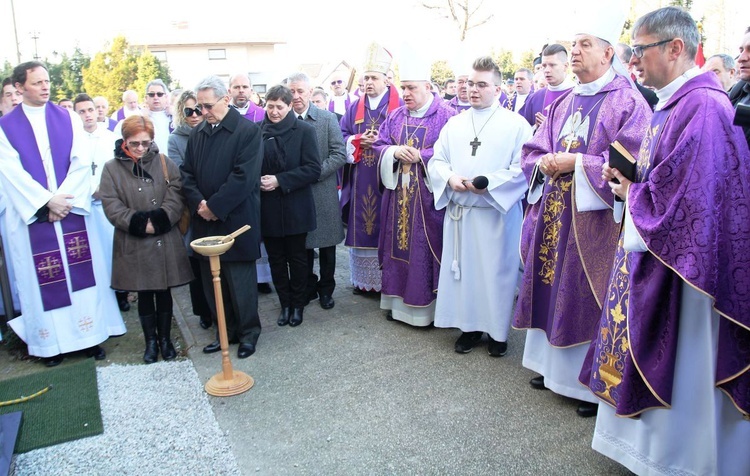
218 386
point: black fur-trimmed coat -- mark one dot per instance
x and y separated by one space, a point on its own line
132 194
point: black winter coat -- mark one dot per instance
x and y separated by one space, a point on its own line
291 154
222 166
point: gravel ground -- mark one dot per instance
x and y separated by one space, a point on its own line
157 421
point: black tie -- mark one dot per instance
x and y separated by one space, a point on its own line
300 117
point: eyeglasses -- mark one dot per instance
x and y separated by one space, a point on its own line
144 143
479 85
638 49
337 81
207 107
155 94
189 111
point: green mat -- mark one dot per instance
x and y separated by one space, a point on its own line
67 411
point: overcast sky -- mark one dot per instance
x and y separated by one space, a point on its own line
325 30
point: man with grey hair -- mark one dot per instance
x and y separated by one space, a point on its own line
129 107
569 237
523 85
330 231
670 353
221 182
722 65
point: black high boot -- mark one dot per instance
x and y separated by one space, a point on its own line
148 323
164 325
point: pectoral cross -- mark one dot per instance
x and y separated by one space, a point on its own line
93 168
474 144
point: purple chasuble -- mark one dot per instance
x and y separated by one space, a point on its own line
411 232
453 104
690 205
254 112
540 101
43 237
361 189
568 254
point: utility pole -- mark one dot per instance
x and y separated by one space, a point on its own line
35 36
15 31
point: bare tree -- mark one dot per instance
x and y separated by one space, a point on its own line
463 14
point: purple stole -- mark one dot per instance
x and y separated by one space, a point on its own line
111 124
553 232
347 102
120 114
46 253
254 112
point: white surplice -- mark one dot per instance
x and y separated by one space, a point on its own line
93 314
481 232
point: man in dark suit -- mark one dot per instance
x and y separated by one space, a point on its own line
330 231
221 182
740 93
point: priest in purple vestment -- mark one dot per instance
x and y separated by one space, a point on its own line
555 70
241 88
63 281
411 232
361 191
673 345
568 236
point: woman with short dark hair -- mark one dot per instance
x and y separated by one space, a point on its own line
291 163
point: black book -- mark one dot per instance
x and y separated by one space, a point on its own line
622 160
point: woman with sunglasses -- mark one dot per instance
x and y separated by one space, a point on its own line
144 204
187 117
291 163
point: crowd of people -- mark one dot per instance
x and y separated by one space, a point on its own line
630 282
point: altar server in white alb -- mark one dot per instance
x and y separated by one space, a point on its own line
476 176
66 301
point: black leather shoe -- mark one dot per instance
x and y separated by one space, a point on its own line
264 288
326 301
206 322
214 346
356 291
496 348
296 318
587 409
53 361
284 316
124 305
245 351
537 383
389 316
467 341
96 352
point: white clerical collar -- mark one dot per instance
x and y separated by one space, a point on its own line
374 102
242 110
665 94
462 103
564 86
487 110
32 109
422 110
589 89
521 95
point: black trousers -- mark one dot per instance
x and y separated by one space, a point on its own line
239 288
197 295
287 257
326 284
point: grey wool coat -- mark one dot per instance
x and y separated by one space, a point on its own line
330 231
131 195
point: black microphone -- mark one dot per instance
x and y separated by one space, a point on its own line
480 182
